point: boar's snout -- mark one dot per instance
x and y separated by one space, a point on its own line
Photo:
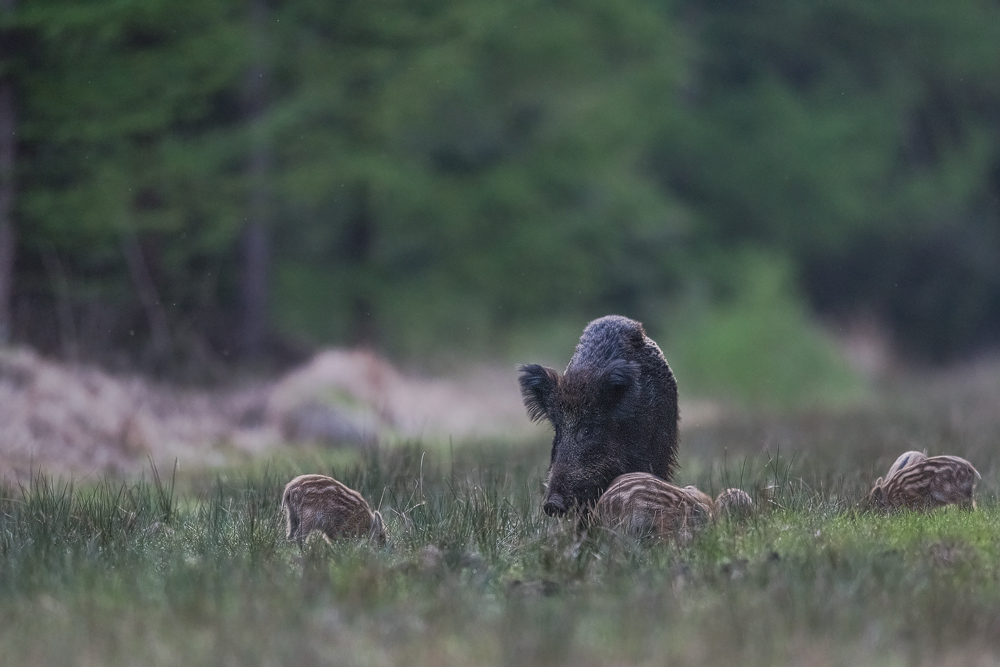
564 496
555 505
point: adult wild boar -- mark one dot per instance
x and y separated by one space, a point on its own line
614 411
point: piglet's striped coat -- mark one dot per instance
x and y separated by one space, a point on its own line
734 504
642 504
919 482
318 502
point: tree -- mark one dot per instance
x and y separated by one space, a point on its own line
129 140
465 168
8 133
255 241
853 136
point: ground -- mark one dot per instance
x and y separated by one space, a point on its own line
81 421
155 567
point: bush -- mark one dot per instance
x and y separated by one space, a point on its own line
759 346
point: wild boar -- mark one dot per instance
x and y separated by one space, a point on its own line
925 483
614 411
318 502
734 504
640 504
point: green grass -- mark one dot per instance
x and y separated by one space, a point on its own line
196 571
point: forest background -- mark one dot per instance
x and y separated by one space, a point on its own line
194 186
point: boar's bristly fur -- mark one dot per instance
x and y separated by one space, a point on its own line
614 411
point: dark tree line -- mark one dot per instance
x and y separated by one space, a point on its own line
192 181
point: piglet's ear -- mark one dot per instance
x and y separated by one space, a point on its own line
538 386
617 379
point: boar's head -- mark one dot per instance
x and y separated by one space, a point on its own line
588 411
614 411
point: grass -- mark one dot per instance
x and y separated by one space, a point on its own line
195 570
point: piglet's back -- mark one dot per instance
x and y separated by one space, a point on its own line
642 504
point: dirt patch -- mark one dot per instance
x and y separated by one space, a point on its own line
376 400
81 420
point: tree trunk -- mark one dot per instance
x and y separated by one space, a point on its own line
255 241
149 299
255 250
359 244
8 139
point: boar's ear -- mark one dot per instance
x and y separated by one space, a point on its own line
538 384
617 378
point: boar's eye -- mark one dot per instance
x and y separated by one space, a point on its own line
585 431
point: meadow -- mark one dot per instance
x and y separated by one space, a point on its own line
192 567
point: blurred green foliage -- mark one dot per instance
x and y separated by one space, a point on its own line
759 346
445 175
